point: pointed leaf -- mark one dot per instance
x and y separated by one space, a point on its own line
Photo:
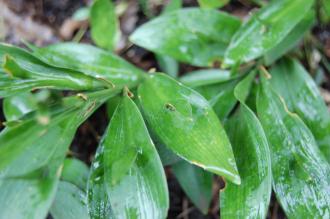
251 198
292 39
91 61
266 29
196 183
301 174
20 65
185 122
197 36
131 167
303 98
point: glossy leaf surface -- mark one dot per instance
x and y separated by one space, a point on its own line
301 174
185 122
266 29
217 86
30 165
197 36
251 198
104 24
196 183
132 167
292 39
303 98
23 68
16 106
69 203
91 61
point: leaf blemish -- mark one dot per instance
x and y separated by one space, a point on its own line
170 107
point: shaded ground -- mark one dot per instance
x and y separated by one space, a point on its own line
48 21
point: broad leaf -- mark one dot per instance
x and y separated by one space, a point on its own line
23 68
167 64
301 174
292 39
92 61
37 188
251 198
185 122
217 87
303 98
104 24
197 36
69 203
132 167
196 183
75 172
16 106
266 29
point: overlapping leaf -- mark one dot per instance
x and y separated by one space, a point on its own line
25 72
92 61
303 98
32 153
251 198
301 174
266 29
69 203
217 87
132 176
196 36
185 122
292 39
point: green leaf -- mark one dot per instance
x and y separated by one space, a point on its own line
167 156
303 98
217 86
212 3
197 36
97 200
81 14
251 198
265 29
91 61
69 203
168 65
35 139
292 39
27 198
25 72
104 24
196 183
16 106
205 77
185 122
173 5
301 174
30 175
131 167
75 172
